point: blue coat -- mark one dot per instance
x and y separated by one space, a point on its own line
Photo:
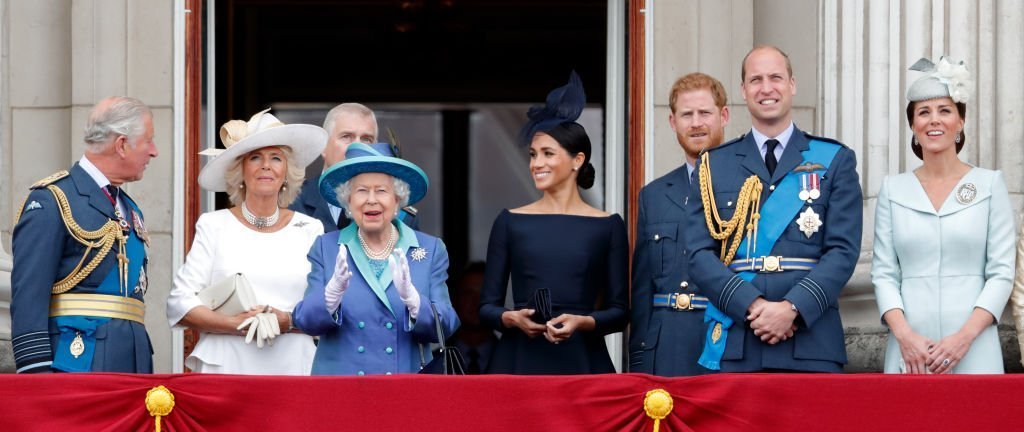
310 203
366 336
818 344
664 341
45 253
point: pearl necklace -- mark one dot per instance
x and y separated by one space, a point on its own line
260 222
383 253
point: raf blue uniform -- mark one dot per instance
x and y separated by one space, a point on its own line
312 204
818 343
666 331
45 252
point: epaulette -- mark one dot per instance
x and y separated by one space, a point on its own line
818 138
410 209
50 179
728 143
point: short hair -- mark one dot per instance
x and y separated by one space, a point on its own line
743 67
697 81
344 190
122 116
234 178
352 108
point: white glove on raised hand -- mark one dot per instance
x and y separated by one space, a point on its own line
339 281
403 282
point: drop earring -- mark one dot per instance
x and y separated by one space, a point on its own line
958 136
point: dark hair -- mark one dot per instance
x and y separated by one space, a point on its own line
573 138
960 108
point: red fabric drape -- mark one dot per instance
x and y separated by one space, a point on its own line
726 402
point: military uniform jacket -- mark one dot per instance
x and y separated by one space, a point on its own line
44 253
664 341
312 204
818 344
371 335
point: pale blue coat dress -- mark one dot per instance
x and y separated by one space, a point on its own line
939 265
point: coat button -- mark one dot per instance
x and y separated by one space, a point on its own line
657 237
389 350
362 324
360 373
684 284
728 204
643 344
389 326
361 349
771 188
387 373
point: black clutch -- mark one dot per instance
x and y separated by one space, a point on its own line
541 305
449 360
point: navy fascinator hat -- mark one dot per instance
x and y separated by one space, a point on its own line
563 105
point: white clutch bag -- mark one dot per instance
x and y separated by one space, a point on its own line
231 296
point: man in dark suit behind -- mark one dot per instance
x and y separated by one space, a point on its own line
345 124
667 329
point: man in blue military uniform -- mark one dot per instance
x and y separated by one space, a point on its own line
79 248
667 325
776 234
346 123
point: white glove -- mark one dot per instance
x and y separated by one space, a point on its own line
403 282
339 281
263 327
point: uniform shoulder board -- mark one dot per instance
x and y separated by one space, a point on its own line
410 209
50 179
818 138
727 143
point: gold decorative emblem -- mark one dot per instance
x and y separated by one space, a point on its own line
682 301
159 403
77 345
809 167
809 222
966 193
48 180
716 332
140 228
771 264
418 254
658 404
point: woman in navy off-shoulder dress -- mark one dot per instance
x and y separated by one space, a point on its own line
560 243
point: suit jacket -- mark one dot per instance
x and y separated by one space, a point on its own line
364 336
44 253
664 341
310 203
818 344
937 266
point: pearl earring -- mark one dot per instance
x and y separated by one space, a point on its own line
958 136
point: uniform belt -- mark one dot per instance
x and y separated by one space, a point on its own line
680 301
772 264
98 305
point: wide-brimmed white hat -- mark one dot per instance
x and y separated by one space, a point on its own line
262 130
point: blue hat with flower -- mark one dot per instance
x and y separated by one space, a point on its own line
563 105
373 158
944 79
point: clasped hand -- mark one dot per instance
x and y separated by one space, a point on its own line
772 321
556 330
262 326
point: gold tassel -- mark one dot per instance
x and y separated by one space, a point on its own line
657 405
159 403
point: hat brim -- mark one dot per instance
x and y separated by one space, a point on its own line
306 142
343 171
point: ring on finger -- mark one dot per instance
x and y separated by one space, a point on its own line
946 362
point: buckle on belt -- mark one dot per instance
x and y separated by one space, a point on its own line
771 263
683 302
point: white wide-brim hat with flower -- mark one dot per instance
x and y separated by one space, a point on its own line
262 130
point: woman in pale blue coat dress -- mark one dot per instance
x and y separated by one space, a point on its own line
944 238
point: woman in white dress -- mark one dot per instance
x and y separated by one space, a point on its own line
943 252
261 170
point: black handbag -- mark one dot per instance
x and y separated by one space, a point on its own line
449 361
541 305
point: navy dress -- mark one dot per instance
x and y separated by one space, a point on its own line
582 261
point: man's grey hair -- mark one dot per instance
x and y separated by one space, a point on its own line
344 190
123 116
352 108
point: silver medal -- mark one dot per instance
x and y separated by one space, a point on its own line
809 222
966 193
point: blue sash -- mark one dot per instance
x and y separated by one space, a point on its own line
85 326
776 214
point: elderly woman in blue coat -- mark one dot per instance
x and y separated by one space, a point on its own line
373 284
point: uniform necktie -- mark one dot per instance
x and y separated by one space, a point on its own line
114 192
769 158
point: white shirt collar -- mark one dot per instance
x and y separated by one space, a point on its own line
93 172
783 139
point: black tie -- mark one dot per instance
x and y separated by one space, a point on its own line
114 192
769 158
